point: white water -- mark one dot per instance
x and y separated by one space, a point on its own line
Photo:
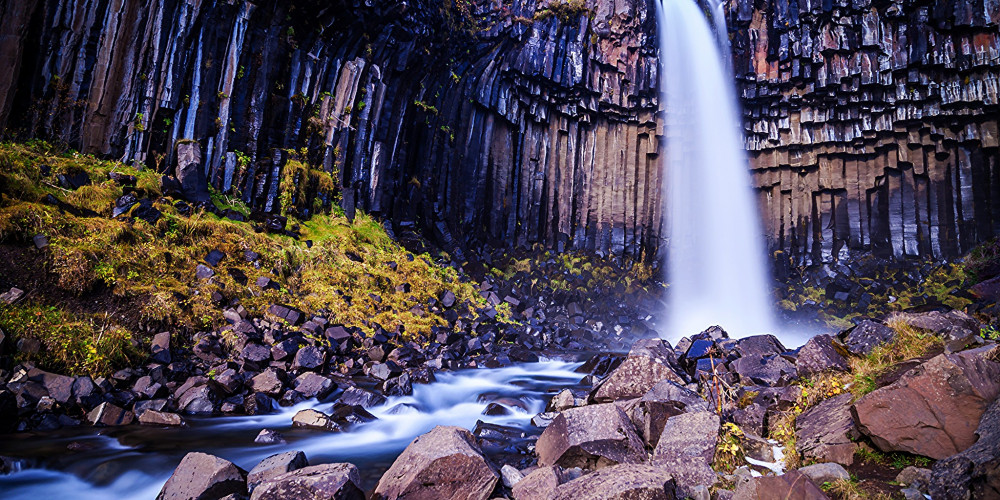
717 266
139 464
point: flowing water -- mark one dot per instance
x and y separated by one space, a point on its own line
135 461
717 268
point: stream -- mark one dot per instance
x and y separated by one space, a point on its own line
133 462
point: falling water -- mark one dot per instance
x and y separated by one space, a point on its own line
717 266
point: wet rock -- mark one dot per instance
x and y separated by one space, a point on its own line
819 355
826 432
109 415
312 385
825 472
360 397
564 400
313 419
686 448
190 172
339 481
649 361
620 482
197 401
866 336
444 463
792 484
258 403
590 437
975 472
933 409
268 436
153 417
346 415
200 476
275 465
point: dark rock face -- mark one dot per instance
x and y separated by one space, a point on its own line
866 336
870 126
826 432
202 477
933 409
819 355
444 463
974 473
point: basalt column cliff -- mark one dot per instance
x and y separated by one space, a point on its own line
871 126
500 122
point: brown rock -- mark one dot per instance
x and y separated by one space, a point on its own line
444 463
274 466
153 417
319 482
974 473
620 482
933 409
826 432
314 419
540 484
792 485
819 355
686 448
666 399
200 476
107 414
649 361
590 437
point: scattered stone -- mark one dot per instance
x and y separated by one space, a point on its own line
914 476
666 399
202 476
825 472
214 257
290 314
109 415
590 437
826 432
268 382
160 348
933 409
41 241
340 481
275 465
866 336
203 272
620 482
770 370
357 396
59 387
153 417
564 400
313 419
444 463
539 483
649 361
686 448
312 385
308 358
510 476
268 436
11 296
792 484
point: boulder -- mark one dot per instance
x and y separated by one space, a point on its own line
540 483
190 173
825 472
109 415
312 385
866 335
313 419
564 400
649 361
274 466
59 387
308 358
204 477
759 345
938 322
510 475
357 396
975 472
590 437
666 399
268 382
269 436
987 291
819 355
687 448
444 463
826 432
792 485
339 481
620 482
933 409
915 476
769 370
153 417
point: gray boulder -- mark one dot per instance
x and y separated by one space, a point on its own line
320 482
819 355
666 399
867 335
313 419
825 472
200 476
788 486
590 437
620 482
826 432
274 466
649 361
687 448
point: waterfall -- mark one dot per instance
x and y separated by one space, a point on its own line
717 267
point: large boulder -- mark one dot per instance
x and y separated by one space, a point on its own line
444 463
649 361
204 477
974 473
319 482
190 172
792 485
666 399
620 482
541 483
274 466
768 370
933 409
590 437
826 432
819 355
687 448
867 335
938 322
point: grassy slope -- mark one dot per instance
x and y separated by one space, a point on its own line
152 267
